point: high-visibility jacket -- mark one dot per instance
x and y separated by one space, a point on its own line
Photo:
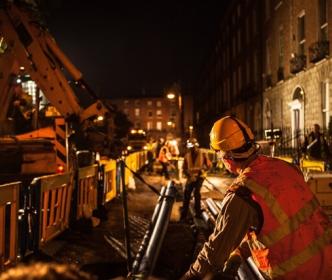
164 155
296 231
194 166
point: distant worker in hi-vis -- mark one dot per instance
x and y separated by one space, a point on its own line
268 213
194 166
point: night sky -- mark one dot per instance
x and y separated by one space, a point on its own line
127 48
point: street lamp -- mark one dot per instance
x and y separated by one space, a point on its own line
171 95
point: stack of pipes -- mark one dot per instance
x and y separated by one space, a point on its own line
149 250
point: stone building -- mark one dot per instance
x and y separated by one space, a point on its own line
271 66
297 66
159 116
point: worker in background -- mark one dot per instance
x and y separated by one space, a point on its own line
194 165
164 158
21 109
150 155
268 211
315 145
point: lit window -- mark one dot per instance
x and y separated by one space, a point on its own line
158 103
149 125
159 113
159 126
137 111
149 103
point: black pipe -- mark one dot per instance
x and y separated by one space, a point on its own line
212 206
146 238
148 261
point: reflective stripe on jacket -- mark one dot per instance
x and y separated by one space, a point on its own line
194 167
296 231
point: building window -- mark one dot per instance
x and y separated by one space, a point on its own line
149 125
126 102
159 126
254 22
149 103
159 104
126 111
159 113
268 56
137 125
150 114
239 40
248 71
137 103
238 11
173 113
248 30
267 9
325 104
239 78
323 20
281 47
137 111
256 68
234 46
301 33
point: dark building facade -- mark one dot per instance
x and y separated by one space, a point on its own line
271 67
231 81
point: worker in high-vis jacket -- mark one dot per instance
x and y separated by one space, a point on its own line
268 213
194 166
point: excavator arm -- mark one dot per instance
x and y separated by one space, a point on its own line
24 42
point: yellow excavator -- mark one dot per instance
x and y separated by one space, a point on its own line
43 123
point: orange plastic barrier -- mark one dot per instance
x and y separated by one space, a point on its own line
8 223
55 201
87 190
109 180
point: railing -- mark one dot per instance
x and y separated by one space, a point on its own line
318 51
297 63
9 199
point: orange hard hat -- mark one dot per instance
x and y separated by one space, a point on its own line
229 134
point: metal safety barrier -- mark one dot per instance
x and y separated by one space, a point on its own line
50 201
9 200
87 190
109 170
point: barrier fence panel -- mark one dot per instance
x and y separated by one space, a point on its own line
109 180
55 201
9 199
87 184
